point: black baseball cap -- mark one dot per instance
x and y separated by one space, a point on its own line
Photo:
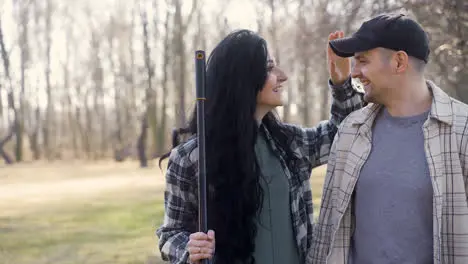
391 31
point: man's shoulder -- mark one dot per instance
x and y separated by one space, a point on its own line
448 108
460 116
460 124
460 109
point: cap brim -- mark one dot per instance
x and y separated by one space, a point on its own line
347 47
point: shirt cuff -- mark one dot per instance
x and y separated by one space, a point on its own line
342 92
345 84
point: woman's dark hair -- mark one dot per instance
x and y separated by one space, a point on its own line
236 72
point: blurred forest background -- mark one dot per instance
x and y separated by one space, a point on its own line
91 90
98 79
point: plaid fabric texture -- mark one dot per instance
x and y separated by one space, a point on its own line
312 145
446 145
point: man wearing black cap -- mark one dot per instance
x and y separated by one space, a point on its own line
397 178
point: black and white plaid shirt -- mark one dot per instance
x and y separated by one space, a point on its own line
312 145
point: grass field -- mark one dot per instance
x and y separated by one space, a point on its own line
69 213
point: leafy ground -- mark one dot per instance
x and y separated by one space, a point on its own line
69 213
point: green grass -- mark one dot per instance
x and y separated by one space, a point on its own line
116 226
316 183
118 230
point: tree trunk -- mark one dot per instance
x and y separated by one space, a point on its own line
180 66
24 58
5 156
67 125
306 97
34 136
304 59
149 119
164 83
141 142
49 124
88 135
151 68
11 100
117 137
180 27
131 104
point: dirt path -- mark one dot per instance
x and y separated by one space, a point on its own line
72 188
42 189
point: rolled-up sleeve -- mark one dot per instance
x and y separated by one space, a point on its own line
315 142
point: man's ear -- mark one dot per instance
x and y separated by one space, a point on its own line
401 61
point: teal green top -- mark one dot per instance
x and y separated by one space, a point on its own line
275 242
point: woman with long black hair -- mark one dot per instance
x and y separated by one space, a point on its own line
257 169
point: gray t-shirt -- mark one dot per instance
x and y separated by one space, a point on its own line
393 196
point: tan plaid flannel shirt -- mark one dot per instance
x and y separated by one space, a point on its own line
446 148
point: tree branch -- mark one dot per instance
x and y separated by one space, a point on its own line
190 16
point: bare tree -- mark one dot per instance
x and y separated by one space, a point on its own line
23 22
35 118
49 137
165 83
222 24
67 122
118 135
153 106
180 69
304 58
128 70
11 100
123 77
150 111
